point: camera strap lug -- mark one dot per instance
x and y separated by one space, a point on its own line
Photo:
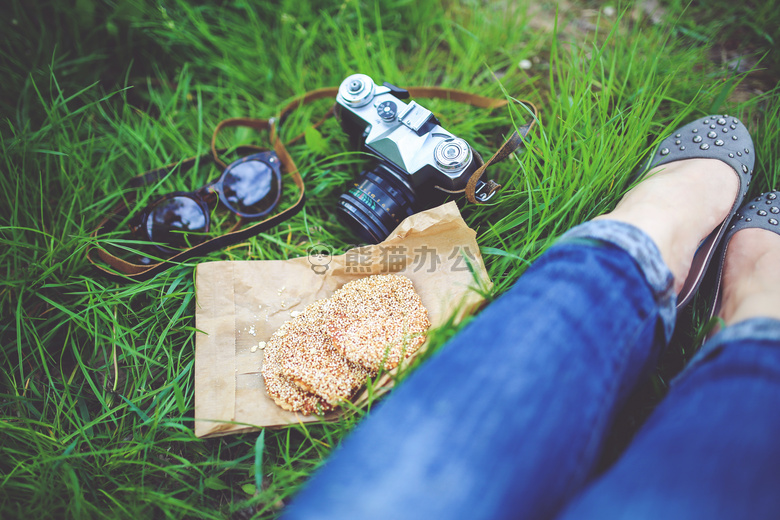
485 190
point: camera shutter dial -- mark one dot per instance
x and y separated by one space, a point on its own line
452 155
387 110
357 90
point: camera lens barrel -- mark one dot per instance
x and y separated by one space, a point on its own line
376 204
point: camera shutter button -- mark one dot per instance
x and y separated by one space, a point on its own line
452 155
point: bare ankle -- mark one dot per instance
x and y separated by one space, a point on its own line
751 277
678 206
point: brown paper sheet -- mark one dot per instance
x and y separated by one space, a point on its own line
242 303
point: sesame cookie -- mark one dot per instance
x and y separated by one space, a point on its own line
323 355
310 361
376 321
284 393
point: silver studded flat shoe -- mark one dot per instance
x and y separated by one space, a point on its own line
714 137
762 212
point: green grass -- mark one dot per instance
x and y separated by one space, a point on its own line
96 404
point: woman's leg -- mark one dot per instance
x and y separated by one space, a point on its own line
712 448
508 418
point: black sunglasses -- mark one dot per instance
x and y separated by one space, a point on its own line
178 223
249 187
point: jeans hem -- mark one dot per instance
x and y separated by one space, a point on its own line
760 329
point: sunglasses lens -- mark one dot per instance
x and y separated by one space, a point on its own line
251 188
172 219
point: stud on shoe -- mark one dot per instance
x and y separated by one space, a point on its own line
762 212
704 139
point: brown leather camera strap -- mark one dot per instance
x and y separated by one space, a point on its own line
509 146
140 272
122 270
505 150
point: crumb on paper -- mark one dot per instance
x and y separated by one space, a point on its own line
295 314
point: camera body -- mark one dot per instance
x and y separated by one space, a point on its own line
418 161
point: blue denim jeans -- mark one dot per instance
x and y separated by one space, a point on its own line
508 419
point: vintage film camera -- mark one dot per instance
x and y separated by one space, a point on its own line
418 160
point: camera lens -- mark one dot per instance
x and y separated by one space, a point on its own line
376 204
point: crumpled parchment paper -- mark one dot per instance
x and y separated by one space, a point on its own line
240 304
